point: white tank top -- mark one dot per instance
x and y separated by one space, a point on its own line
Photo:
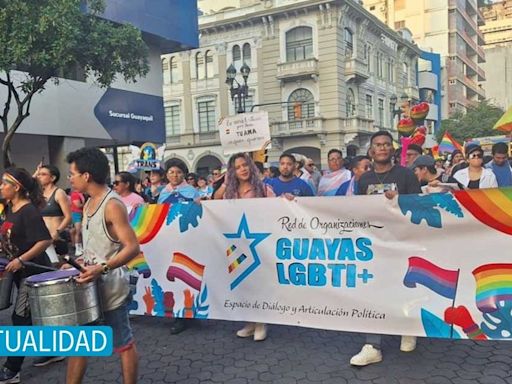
99 247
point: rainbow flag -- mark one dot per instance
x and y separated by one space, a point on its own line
442 281
449 144
493 284
187 270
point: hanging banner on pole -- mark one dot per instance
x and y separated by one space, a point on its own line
245 132
433 265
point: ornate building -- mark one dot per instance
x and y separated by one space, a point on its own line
325 71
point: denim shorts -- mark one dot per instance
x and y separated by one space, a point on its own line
76 217
121 329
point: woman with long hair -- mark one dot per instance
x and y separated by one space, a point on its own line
24 238
57 210
242 181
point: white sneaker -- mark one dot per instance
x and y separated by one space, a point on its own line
408 343
368 355
260 332
79 251
247 331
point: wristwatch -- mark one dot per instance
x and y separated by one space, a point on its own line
105 268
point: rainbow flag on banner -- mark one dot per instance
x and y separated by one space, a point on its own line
442 281
187 270
449 144
493 284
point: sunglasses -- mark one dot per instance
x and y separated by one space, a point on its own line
476 156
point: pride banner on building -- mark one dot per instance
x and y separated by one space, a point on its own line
435 265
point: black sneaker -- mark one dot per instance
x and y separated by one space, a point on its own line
45 360
9 377
178 326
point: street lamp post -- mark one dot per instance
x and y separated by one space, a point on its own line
397 111
240 91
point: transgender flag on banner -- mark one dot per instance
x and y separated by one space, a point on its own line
442 281
187 270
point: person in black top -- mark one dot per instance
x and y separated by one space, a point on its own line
24 238
425 170
386 178
390 180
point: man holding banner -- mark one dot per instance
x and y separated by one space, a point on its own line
390 180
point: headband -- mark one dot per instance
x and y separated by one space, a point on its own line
11 179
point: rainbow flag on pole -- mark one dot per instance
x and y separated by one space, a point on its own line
493 284
442 281
449 144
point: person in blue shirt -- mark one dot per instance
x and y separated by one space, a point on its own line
287 182
500 165
360 165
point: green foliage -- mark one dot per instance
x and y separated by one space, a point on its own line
476 122
45 37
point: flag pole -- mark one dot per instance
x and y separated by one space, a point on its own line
453 300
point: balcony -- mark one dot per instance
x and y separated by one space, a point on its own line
359 124
427 80
356 70
296 70
297 127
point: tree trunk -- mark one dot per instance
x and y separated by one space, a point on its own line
6 145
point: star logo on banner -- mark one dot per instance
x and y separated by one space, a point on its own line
242 255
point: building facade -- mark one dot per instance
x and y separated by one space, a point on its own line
447 27
324 70
497 33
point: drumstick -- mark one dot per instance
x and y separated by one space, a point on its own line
73 263
39 266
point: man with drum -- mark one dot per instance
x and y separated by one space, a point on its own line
109 243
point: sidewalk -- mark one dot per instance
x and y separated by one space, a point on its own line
210 352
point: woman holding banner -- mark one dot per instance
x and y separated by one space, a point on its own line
243 181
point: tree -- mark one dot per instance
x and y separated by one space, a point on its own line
40 39
476 122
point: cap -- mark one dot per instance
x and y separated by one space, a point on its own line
473 148
424 161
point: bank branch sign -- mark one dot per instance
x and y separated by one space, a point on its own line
130 117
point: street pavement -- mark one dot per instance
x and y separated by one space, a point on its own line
209 352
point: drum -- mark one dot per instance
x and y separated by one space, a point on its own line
6 280
57 299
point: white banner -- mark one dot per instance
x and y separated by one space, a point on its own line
434 265
245 132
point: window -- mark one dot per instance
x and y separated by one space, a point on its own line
349 42
199 65
247 103
399 24
247 54
350 103
369 107
381 112
208 69
165 71
237 57
391 71
368 58
172 120
301 105
406 73
299 44
206 116
174 76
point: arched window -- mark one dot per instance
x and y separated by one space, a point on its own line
237 57
247 54
165 71
208 70
174 75
349 42
199 66
299 44
301 105
350 103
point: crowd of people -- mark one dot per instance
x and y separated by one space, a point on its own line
39 215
